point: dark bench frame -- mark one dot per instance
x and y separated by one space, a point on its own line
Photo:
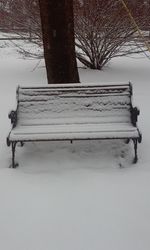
134 117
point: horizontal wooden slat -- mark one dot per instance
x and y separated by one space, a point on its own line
75 85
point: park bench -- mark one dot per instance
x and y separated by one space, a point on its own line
73 112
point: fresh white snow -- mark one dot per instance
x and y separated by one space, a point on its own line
80 196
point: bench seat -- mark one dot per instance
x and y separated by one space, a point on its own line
74 132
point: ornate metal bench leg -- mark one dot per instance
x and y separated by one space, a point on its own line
135 141
13 145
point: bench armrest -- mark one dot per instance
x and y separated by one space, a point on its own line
134 115
13 116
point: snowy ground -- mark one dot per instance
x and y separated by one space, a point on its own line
74 197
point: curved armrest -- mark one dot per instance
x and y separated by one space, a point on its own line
134 115
13 116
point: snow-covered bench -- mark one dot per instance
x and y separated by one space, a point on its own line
73 112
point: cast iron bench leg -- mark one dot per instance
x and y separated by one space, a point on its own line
13 145
135 141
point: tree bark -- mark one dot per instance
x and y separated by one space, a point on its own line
58 40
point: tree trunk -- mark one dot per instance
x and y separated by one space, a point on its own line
58 39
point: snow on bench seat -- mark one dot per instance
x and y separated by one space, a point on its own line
73 132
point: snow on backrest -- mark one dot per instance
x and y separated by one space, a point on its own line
77 103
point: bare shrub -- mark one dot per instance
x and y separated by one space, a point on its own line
104 30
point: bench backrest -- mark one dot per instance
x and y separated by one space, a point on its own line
74 103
